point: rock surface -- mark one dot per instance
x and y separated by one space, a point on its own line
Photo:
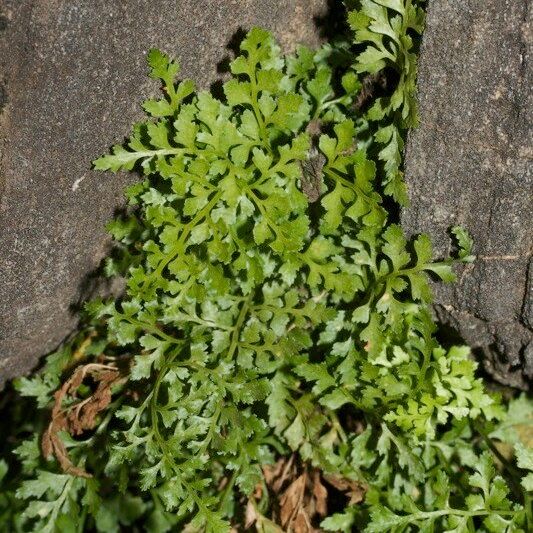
470 163
72 76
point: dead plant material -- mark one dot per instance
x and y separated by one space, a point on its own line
321 494
312 176
374 86
354 490
262 523
276 475
78 415
292 502
251 516
299 495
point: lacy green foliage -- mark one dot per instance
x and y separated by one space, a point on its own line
254 322
445 484
388 28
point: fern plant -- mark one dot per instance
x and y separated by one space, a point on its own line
269 298
389 31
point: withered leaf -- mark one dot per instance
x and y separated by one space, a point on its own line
312 175
321 495
355 490
79 416
292 499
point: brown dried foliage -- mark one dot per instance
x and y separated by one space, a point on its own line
80 415
299 496
374 86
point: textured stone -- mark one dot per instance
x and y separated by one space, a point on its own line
72 76
470 163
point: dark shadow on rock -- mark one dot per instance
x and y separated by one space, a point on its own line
217 89
223 66
497 374
448 336
96 283
234 43
93 284
234 49
332 23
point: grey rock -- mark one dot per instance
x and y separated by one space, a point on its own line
469 163
72 76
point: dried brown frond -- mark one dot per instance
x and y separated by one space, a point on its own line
299 496
75 415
